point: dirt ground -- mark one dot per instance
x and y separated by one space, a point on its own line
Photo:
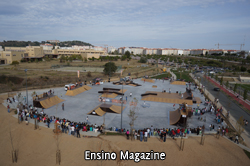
38 147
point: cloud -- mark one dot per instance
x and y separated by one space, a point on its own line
113 20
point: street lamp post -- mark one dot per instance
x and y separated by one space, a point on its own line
27 102
121 105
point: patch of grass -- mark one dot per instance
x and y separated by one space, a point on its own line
182 75
162 76
245 86
247 153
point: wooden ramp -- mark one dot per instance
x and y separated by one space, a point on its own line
112 95
77 91
178 83
116 109
49 102
97 111
101 109
148 80
165 97
175 116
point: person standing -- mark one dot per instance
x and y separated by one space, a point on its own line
164 135
169 90
141 135
87 119
148 130
127 133
48 122
182 95
145 136
78 133
8 107
63 106
130 94
236 139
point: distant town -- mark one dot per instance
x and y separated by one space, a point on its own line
10 52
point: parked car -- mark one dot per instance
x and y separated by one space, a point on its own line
216 89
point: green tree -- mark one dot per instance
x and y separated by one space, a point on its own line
245 94
243 69
221 80
143 60
93 58
227 84
127 54
216 77
132 115
109 67
235 87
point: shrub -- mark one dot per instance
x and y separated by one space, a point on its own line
15 63
89 74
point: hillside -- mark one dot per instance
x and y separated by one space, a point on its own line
15 43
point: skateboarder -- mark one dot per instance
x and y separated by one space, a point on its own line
63 106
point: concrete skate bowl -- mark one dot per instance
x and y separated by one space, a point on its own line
164 97
178 83
148 80
131 83
47 102
77 91
101 109
112 92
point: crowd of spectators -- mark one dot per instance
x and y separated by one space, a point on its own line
26 113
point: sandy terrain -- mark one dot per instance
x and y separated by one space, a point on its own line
37 147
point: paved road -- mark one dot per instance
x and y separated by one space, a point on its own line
235 110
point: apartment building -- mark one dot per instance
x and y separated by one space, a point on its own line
210 52
11 54
111 49
167 51
136 50
84 53
47 48
7 57
183 52
198 51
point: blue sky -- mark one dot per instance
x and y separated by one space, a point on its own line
141 23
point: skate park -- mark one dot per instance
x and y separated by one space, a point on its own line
155 113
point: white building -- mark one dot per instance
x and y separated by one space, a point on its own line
47 46
1 48
137 50
111 49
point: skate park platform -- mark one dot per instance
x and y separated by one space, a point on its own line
101 109
47 102
167 97
148 80
77 91
131 83
112 92
178 83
